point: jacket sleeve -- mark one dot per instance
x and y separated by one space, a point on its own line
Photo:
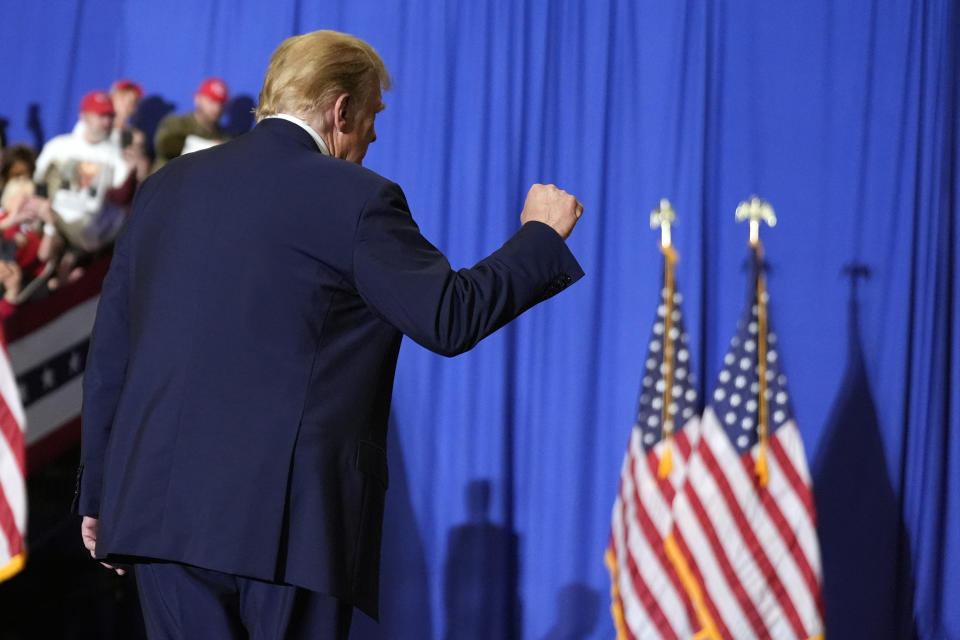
106 368
411 285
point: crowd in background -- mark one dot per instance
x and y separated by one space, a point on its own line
63 208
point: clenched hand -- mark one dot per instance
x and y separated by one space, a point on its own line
551 206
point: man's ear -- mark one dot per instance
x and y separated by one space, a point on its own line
342 120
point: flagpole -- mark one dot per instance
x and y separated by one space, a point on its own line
663 217
756 211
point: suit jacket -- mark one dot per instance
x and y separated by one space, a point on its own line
238 384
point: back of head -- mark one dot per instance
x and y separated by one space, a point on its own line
309 71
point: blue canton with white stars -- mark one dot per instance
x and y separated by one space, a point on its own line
736 396
683 395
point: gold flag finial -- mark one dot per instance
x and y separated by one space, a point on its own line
663 216
756 210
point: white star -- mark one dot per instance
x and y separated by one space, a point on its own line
735 341
742 441
778 416
674 333
660 386
719 394
752 327
656 403
745 363
724 376
651 363
781 397
658 328
747 423
764 297
655 346
687 413
653 421
741 382
681 374
662 310
649 438
771 356
751 405
749 345
782 380
75 362
647 381
728 359
730 418
674 408
675 315
48 378
677 392
677 298
755 387
682 355
735 400
691 395
772 338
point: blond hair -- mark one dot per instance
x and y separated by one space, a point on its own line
309 71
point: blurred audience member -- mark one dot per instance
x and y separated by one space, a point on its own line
179 134
10 282
125 95
27 230
89 182
19 161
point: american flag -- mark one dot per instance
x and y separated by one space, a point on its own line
648 596
13 495
744 521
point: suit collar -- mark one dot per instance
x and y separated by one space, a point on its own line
288 130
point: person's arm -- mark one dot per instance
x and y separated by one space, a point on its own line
410 284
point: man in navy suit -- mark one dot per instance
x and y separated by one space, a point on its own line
240 371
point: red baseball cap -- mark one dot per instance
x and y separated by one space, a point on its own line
127 85
213 88
98 102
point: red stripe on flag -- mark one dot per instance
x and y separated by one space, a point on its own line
639 585
750 539
799 486
789 537
656 541
733 581
12 433
683 444
8 526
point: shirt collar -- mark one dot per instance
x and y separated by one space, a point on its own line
303 125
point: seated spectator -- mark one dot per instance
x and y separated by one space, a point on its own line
179 134
89 182
19 161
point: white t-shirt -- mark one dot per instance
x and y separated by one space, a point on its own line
74 147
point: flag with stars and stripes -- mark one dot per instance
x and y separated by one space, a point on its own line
13 471
744 522
648 597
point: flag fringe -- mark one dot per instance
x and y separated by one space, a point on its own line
709 629
13 567
616 604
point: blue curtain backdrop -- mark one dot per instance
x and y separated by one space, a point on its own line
506 460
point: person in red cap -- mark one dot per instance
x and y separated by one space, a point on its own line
89 182
179 134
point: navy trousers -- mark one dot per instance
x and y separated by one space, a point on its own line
181 602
